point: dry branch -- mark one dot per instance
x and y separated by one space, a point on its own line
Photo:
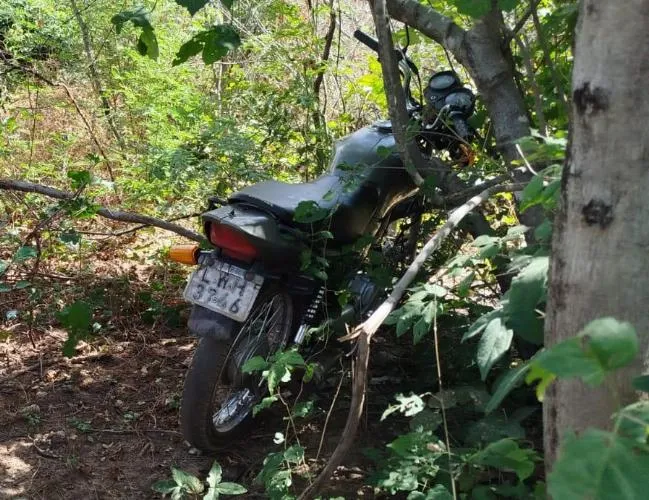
366 330
109 213
412 157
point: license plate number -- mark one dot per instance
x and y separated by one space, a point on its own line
224 288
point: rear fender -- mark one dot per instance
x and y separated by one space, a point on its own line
205 323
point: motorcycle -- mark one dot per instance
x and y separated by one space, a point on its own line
251 294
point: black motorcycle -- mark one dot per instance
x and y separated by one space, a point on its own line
251 294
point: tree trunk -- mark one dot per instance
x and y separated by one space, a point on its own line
600 258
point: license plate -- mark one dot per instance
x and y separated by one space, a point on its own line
224 288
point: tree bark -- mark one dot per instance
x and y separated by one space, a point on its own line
600 257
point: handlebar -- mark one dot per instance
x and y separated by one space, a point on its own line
373 44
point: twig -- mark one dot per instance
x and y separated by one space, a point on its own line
109 213
441 399
519 25
331 408
44 453
366 330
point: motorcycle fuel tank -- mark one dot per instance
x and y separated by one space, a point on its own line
369 156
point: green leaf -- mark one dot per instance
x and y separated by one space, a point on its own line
193 6
70 236
507 383
214 476
438 492
3 266
187 50
604 345
186 480
527 290
254 364
294 454
222 39
231 489
599 465
495 342
139 17
25 253
309 211
544 377
633 422
473 8
492 428
263 404
77 320
641 383
147 44
481 323
79 178
165 486
507 455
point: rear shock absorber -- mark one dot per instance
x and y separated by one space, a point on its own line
309 315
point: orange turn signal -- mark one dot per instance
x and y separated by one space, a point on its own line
185 254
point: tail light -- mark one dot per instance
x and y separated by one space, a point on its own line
232 242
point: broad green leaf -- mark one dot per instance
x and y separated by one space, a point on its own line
164 486
509 382
309 211
294 454
254 364
25 253
527 290
495 342
544 377
139 17
604 345
221 40
187 50
633 421
641 383
230 489
214 476
599 465
193 6
3 266
147 44
481 323
473 8
531 192
188 481
507 455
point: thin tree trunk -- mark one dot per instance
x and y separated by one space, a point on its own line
94 73
600 258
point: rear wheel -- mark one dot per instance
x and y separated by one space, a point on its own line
217 397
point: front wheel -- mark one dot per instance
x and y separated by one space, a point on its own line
217 397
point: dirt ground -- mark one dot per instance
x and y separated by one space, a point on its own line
104 424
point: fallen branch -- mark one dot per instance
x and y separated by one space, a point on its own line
109 213
366 330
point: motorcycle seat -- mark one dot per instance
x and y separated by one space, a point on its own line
352 206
